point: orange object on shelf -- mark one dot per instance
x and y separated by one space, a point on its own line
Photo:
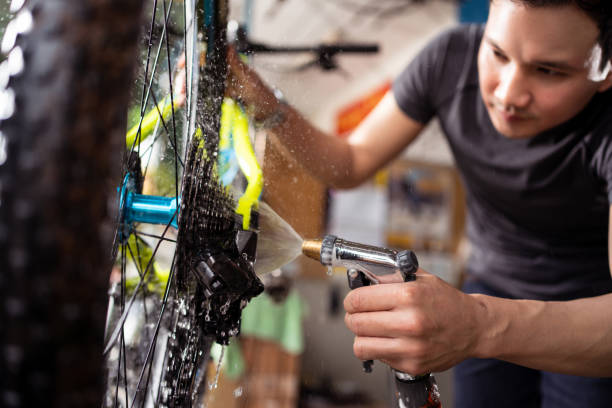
349 117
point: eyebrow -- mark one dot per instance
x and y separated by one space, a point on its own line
560 65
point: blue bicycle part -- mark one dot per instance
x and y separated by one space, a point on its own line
146 208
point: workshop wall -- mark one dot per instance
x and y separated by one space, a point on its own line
328 359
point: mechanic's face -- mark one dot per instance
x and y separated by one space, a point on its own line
537 66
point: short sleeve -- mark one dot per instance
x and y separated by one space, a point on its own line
437 72
601 161
606 166
416 86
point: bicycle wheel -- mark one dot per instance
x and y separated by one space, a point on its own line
172 293
210 276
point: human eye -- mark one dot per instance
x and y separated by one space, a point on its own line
499 55
550 72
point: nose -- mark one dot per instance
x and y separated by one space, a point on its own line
512 89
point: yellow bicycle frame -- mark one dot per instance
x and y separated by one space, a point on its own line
235 130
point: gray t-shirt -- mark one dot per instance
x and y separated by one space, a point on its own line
537 208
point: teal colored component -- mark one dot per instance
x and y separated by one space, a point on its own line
228 165
209 14
151 209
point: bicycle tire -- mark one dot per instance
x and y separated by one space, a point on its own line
63 120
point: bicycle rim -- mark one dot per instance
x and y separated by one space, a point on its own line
159 325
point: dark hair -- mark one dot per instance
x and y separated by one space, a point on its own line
599 10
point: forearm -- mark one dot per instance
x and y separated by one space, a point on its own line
338 162
573 337
328 158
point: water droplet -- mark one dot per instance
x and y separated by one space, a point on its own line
215 383
238 392
7 103
22 23
2 149
225 307
4 74
16 5
15 61
330 270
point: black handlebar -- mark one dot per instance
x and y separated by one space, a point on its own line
324 53
330 49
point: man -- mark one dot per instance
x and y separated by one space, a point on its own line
524 103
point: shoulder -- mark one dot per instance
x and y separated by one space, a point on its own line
452 43
434 75
599 118
460 39
598 140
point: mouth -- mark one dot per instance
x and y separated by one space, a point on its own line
509 115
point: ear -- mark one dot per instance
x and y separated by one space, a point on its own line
606 83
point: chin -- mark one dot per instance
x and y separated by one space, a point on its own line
515 133
520 129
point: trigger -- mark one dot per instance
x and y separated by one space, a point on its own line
356 279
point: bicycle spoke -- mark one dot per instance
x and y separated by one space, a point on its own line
122 345
153 343
136 262
125 377
161 118
150 85
176 173
124 314
145 234
188 66
122 349
142 102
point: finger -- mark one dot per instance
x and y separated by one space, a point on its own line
385 324
422 273
379 348
405 356
409 366
374 298
391 278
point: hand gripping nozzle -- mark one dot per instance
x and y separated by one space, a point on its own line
367 265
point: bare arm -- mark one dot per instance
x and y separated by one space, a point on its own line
427 325
572 337
335 161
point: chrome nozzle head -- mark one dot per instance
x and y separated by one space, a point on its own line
312 249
